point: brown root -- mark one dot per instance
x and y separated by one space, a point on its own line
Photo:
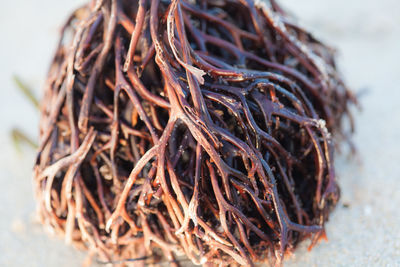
196 128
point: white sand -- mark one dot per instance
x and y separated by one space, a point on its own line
367 34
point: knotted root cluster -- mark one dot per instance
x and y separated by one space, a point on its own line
197 128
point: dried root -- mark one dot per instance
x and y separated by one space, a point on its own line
197 128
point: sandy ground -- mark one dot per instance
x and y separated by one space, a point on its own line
367 36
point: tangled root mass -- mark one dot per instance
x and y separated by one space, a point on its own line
182 127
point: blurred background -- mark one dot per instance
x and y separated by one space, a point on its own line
364 230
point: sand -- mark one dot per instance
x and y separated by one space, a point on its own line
364 230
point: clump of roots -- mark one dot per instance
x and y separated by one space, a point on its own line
196 128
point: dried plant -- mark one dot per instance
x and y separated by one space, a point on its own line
197 128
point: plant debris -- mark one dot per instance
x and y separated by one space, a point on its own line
196 128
